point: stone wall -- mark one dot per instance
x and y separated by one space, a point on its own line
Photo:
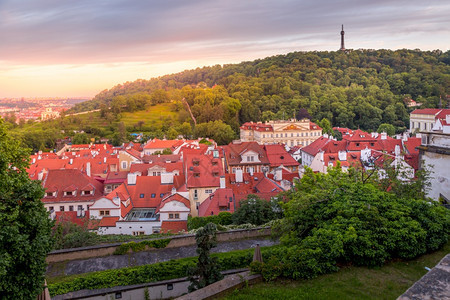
176 241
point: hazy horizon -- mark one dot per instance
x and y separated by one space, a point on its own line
78 49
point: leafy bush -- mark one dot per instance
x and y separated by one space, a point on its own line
338 217
140 246
256 211
223 218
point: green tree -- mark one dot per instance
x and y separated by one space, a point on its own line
80 138
255 211
326 126
388 128
207 270
217 130
25 228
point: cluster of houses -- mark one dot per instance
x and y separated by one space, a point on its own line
135 189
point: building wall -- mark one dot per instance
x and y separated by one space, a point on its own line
103 204
435 154
201 196
419 122
130 227
128 159
56 205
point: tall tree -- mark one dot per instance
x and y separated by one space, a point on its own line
25 228
207 270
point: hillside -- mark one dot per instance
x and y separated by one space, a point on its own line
355 89
359 88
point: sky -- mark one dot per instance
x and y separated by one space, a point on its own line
77 48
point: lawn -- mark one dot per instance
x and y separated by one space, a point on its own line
387 282
153 115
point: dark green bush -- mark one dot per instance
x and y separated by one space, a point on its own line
223 218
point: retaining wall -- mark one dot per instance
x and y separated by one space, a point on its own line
175 242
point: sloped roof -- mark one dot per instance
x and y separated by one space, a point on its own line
233 153
70 180
163 144
426 111
108 222
277 156
219 199
316 146
411 144
200 169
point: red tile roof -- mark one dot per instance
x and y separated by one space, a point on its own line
217 202
163 144
170 167
277 156
108 222
71 216
70 180
233 153
426 111
202 170
316 146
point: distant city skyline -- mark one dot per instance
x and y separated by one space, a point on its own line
79 48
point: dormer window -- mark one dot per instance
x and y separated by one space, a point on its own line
214 163
196 174
50 194
161 195
215 174
195 163
141 196
87 193
357 144
69 193
153 195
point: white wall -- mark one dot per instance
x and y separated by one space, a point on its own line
104 204
127 227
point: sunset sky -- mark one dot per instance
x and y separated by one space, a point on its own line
78 48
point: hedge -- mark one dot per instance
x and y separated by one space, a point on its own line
152 273
223 218
140 246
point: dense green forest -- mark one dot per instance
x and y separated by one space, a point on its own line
360 88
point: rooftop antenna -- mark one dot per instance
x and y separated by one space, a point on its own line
342 39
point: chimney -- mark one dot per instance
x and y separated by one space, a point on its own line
70 161
397 150
342 155
278 174
222 182
104 160
131 179
383 135
34 160
239 176
365 154
41 175
88 169
174 191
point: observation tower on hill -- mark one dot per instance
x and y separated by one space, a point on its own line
342 39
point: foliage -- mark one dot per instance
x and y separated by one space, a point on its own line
343 217
141 246
149 273
256 211
207 270
223 218
24 224
388 128
220 132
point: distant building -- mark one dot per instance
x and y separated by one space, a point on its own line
291 133
424 119
49 114
435 153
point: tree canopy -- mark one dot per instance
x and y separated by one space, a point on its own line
25 228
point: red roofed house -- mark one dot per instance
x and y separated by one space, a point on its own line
157 145
203 174
70 191
442 123
221 200
424 119
290 133
147 204
279 158
246 157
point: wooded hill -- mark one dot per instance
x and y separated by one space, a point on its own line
361 88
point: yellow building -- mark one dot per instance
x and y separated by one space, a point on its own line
291 133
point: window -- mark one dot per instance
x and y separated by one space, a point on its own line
292 134
161 195
170 286
61 208
141 196
86 192
49 194
68 193
233 170
80 207
153 195
196 174
195 163
118 295
102 213
70 207
174 216
154 173
124 165
215 174
156 229
208 191
51 208
195 194
138 232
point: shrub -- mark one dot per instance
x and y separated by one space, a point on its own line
223 218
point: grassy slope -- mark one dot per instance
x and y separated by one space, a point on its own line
387 282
